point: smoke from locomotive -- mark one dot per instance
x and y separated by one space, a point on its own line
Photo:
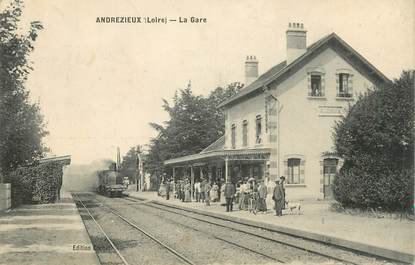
110 182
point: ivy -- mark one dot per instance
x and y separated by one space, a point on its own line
36 183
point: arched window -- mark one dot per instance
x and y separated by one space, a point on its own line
258 129
233 136
245 133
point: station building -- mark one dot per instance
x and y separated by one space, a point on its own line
281 123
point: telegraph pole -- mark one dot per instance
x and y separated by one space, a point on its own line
139 169
118 160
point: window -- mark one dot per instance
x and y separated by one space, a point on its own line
258 129
316 82
245 133
233 136
316 86
295 171
344 85
293 176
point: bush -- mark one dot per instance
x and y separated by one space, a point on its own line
36 183
376 141
388 190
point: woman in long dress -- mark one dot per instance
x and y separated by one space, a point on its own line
222 195
243 198
172 189
187 192
207 193
214 192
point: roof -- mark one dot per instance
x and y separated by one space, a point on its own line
66 159
216 150
215 154
257 84
219 144
282 70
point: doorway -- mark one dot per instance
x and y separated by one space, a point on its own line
329 174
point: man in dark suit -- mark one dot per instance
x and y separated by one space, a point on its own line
229 194
167 188
278 197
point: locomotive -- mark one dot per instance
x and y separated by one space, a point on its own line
110 182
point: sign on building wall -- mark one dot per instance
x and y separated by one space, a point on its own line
331 111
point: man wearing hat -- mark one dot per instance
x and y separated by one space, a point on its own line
229 194
278 197
166 180
262 192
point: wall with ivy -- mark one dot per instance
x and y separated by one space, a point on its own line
36 184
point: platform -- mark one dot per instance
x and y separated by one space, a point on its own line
385 237
45 234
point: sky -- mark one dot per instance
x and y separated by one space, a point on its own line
99 85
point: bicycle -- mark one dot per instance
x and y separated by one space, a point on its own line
253 203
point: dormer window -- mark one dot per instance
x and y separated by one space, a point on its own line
316 83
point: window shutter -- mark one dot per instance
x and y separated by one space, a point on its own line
350 85
266 115
346 84
337 84
302 171
234 138
245 133
323 85
309 84
286 169
226 133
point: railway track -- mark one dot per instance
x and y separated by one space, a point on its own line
121 257
333 253
259 253
280 260
135 226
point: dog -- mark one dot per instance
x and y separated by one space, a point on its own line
293 206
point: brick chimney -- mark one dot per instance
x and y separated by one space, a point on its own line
251 69
296 41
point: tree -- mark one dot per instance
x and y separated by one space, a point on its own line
215 115
22 125
195 122
376 140
129 164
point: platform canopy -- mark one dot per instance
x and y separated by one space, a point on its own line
216 151
219 162
64 160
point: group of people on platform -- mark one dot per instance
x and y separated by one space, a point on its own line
228 194
250 188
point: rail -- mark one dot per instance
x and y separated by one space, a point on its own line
102 230
180 256
304 248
